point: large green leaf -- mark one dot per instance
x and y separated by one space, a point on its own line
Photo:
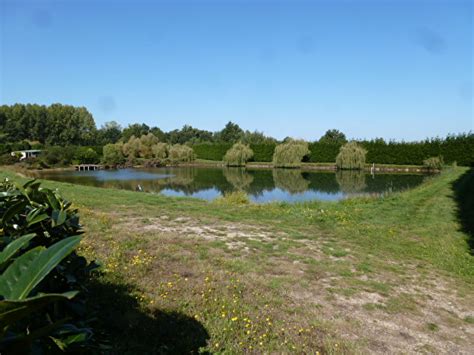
25 273
13 247
36 215
58 217
12 211
13 311
21 266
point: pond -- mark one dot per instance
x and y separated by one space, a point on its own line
262 185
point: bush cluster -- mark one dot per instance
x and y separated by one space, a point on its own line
147 148
458 148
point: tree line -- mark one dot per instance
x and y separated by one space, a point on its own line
38 126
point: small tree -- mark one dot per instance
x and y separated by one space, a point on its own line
290 154
112 154
160 151
434 163
180 153
351 157
238 155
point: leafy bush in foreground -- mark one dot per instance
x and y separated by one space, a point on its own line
290 154
40 308
351 157
238 155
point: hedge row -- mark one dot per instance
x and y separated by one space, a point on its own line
454 148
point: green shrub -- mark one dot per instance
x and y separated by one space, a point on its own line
180 153
290 154
238 155
351 157
211 151
233 198
263 152
40 308
433 163
8 159
86 155
113 154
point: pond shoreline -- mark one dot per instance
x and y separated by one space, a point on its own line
329 167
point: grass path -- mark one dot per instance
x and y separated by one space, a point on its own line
382 275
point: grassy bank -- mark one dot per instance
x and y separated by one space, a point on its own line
367 274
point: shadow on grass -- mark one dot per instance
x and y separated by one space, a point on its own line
464 195
124 328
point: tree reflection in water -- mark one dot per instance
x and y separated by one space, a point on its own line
351 181
239 178
290 180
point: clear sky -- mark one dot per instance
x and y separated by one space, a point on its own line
394 69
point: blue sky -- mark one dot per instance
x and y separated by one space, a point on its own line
393 69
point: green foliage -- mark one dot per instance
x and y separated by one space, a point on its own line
211 151
238 155
180 153
333 136
8 159
109 133
40 271
290 154
113 154
188 134
160 151
263 152
146 144
230 134
86 155
351 156
433 163
233 198
131 149
134 130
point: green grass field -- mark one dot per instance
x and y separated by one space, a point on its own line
392 274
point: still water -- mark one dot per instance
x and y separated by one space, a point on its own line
262 185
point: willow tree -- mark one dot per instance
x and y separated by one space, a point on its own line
147 141
290 154
238 155
351 157
180 153
160 150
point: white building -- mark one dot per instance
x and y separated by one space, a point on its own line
25 154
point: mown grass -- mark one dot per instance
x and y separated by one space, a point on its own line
236 293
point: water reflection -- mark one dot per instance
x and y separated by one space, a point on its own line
238 178
351 181
262 185
290 180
